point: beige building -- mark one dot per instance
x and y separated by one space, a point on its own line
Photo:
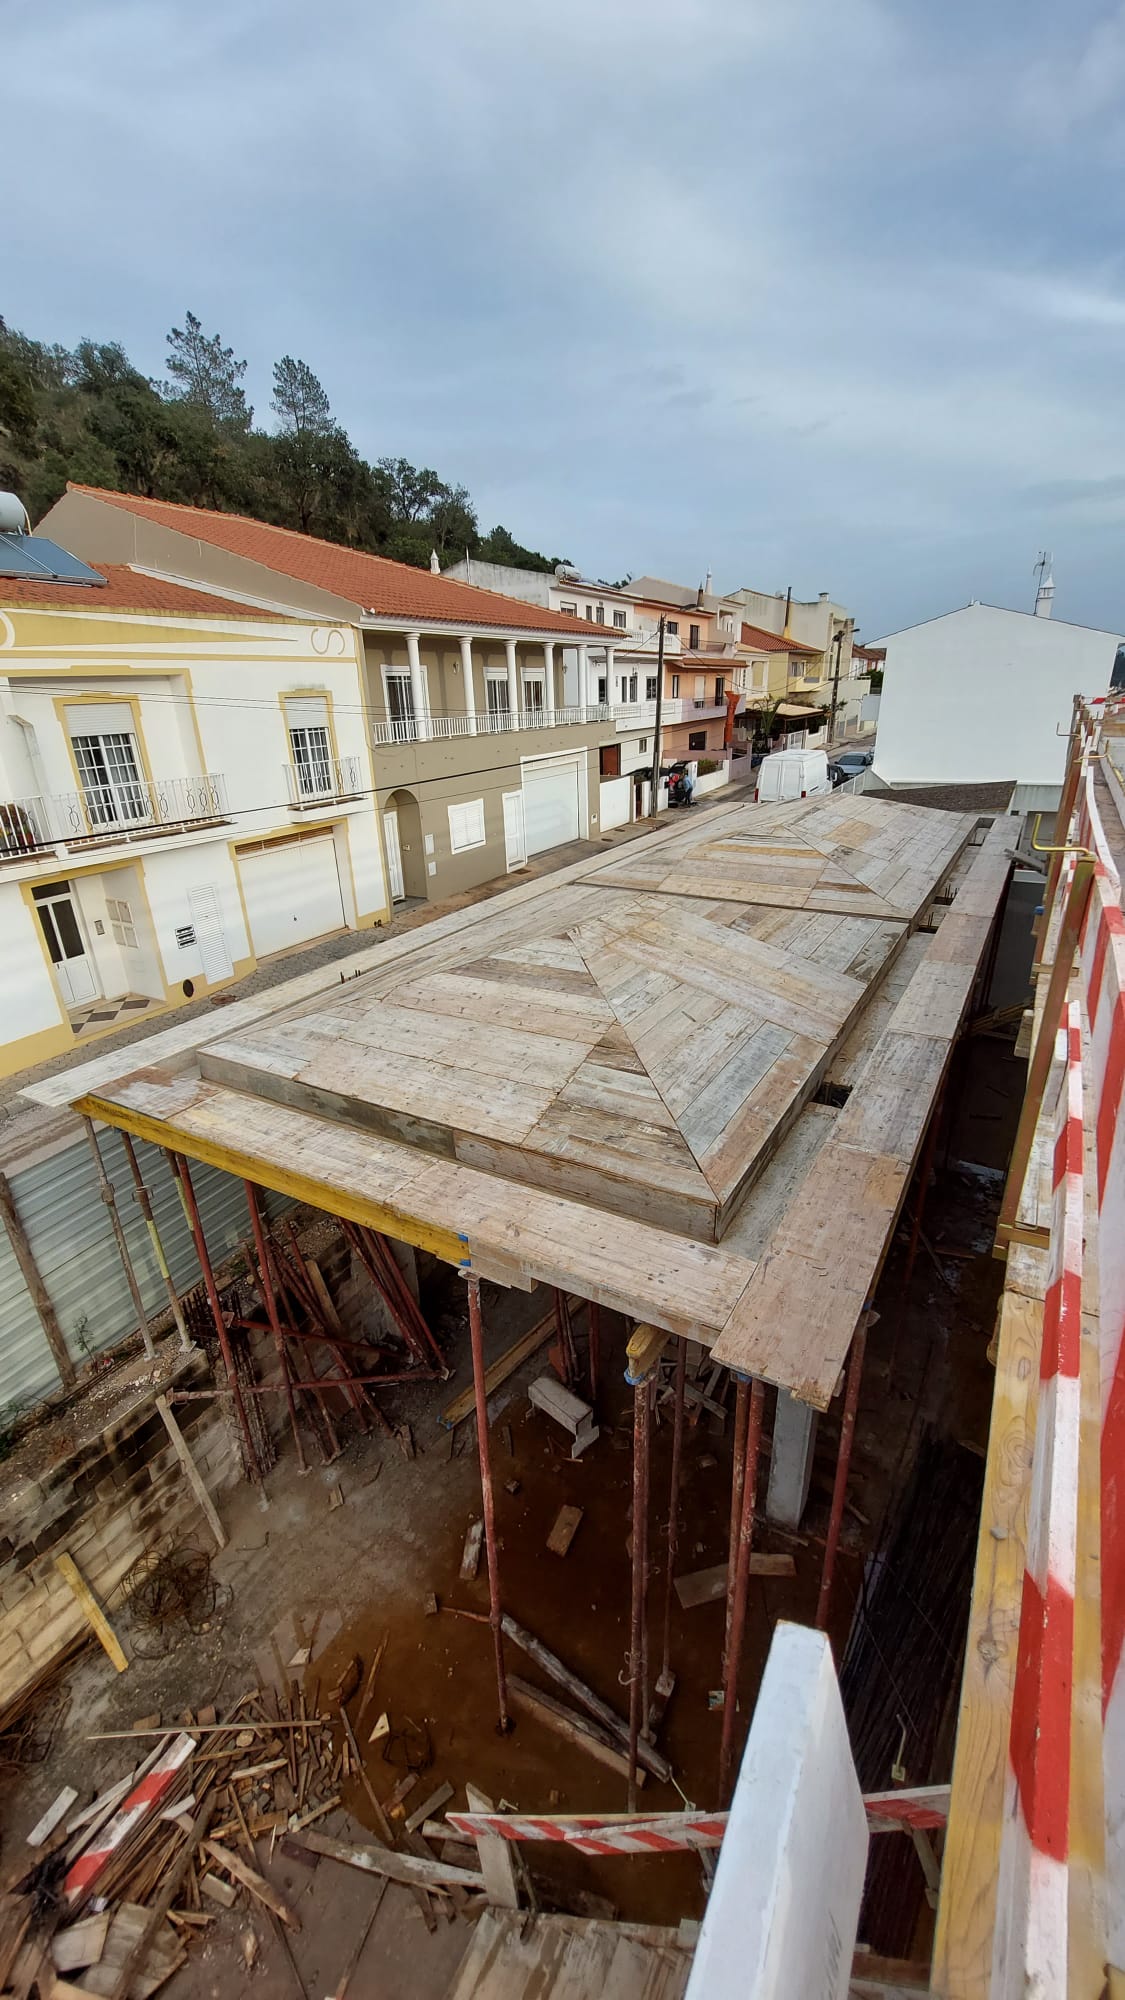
482 715
820 669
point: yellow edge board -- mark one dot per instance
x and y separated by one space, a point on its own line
444 1243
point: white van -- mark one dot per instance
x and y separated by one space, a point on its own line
792 774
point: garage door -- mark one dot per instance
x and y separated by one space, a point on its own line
292 891
550 797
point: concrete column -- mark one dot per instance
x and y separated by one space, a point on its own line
514 702
417 687
467 674
609 672
794 1441
584 677
549 695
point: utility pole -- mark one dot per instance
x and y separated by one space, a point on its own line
838 642
654 801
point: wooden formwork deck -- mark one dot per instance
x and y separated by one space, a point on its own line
517 1957
604 1080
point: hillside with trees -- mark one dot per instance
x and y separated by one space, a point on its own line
88 415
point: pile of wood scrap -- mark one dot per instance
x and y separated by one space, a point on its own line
115 1889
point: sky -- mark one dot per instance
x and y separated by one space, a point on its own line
820 293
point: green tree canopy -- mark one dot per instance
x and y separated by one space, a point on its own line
205 373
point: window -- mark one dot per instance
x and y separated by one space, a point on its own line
603 690
400 707
693 637
569 610
632 687
589 614
466 825
496 700
109 772
601 614
697 740
720 686
672 625
675 686
619 620
650 687
642 744
312 760
609 760
121 922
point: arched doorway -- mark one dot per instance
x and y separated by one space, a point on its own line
402 830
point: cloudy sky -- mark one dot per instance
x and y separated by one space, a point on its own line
828 293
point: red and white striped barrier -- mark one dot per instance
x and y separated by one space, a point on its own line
1030 1939
923 1808
141 1801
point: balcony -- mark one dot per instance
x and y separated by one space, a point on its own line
130 809
491 722
323 781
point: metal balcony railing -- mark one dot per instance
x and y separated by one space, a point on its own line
317 779
109 812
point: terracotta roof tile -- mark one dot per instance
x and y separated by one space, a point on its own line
379 586
124 590
771 642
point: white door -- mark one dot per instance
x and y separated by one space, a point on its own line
551 808
292 893
515 845
394 856
66 943
210 933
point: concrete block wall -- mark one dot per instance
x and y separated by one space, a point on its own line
113 1498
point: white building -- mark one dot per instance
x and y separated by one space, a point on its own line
981 695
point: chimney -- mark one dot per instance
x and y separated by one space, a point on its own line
435 566
785 631
707 584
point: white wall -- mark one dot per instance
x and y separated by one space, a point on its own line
30 1001
616 802
980 695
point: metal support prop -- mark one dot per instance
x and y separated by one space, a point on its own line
179 1167
480 1395
1070 928
843 1463
109 1196
925 1169
737 1480
144 1203
274 1316
638 1639
594 1319
738 1584
674 1504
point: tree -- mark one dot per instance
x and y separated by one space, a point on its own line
411 490
299 400
206 373
501 547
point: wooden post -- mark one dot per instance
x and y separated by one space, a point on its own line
191 1471
191 1209
144 1202
92 1611
40 1297
109 1196
1039 1067
737 1588
495 1616
738 1475
843 1461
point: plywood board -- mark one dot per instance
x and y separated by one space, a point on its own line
514 1956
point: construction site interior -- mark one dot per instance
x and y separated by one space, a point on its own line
607 1274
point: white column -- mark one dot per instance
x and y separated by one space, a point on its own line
467 675
584 677
514 702
609 673
417 687
791 1460
549 697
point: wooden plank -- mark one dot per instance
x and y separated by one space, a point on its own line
567 1523
92 1612
80 1944
497 1863
556 1670
191 1471
470 1554
431 1805
407 1868
568 1723
706 1586
44 1827
263 1891
513 1357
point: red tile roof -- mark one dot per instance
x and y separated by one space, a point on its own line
771 642
123 590
379 586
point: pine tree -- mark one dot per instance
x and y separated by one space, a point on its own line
206 374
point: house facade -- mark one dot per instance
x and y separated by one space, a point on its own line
820 667
481 714
185 790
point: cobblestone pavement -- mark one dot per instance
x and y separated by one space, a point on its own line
327 951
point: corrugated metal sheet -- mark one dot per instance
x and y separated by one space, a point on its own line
60 1205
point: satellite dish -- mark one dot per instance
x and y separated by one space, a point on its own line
13 515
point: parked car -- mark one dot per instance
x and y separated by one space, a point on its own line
838 775
792 774
852 762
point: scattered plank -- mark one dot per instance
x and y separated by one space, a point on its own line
407 1868
703 1586
80 1944
496 1861
43 1829
354 1956
551 1665
92 1611
576 1728
567 1523
191 1471
234 1865
127 1927
139 1954
431 1805
219 1891
470 1555
528 1344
